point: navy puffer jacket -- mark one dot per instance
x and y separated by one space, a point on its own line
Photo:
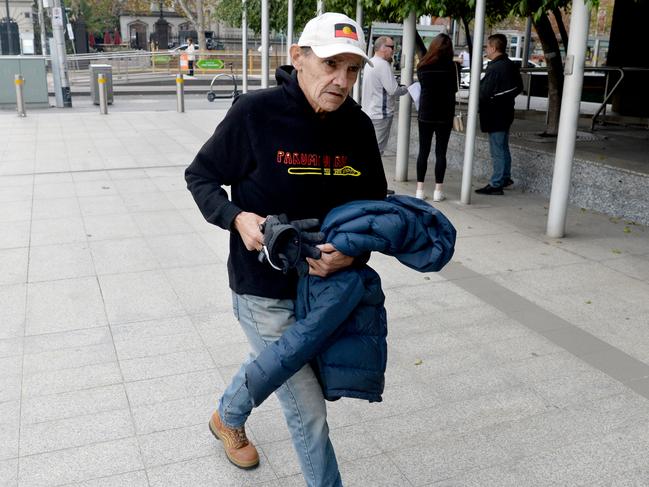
341 325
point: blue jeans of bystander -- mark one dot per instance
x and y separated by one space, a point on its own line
501 158
264 320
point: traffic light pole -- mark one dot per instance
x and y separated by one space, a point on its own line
65 98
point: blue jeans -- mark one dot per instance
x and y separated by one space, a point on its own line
502 159
264 320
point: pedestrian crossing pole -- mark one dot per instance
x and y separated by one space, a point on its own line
180 93
103 96
20 99
59 52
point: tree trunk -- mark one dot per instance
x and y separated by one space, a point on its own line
197 19
555 72
467 31
200 25
562 27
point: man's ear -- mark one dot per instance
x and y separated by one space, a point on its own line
296 56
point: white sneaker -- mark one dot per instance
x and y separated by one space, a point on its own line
438 196
419 194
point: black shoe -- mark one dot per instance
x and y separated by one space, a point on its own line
488 189
508 182
389 192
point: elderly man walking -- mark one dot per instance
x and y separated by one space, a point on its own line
301 148
379 90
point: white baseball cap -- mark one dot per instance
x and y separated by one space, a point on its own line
332 33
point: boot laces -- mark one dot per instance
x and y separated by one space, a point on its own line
240 436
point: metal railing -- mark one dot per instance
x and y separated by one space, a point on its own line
607 95
129 66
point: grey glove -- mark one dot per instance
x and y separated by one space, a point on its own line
288 243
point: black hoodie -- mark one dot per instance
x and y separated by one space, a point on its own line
275 152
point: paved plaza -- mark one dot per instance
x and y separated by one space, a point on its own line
525 362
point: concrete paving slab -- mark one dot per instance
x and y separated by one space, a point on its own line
10 387
207 471
14 234
67 380
75 431
177 413
58 231
81 463
10 347
138 296
61 261
177 445
68 304
149 202
15 211
282 459
122 255
174 387
14 265
172 250
102 205
198 290
68 358
65 405
130 479
9 472
150 367
111 227
34 344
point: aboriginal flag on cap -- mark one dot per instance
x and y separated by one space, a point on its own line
346 30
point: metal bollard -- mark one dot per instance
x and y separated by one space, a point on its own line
180 93
20 99
103 102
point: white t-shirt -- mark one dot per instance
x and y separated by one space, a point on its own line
190 52
379 89
466 59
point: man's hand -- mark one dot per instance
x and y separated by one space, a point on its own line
329 262
247 224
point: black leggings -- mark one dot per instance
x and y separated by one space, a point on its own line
426 131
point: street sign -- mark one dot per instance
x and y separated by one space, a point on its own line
210 64
57 16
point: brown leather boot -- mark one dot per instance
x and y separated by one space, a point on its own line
238 449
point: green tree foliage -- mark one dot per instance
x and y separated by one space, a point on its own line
229 11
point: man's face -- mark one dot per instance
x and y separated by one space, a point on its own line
326 82
490 51
386 51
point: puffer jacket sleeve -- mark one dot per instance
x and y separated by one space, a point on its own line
414 232
304 340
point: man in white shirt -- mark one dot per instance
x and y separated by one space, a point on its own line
191 56
379 89
465 59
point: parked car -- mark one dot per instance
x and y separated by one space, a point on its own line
211 44
214 44
465 77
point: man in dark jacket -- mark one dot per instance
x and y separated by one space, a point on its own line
300 149
498 90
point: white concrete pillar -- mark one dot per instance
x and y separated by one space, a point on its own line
572 86
405 102
474 92
289 31
264 43
359 20
244 46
